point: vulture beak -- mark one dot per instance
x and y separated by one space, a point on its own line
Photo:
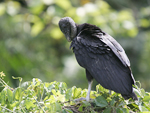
68 38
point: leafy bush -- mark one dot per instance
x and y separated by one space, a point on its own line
41 97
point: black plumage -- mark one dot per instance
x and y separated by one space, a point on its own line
101 55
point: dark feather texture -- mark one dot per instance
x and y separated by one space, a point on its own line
104 59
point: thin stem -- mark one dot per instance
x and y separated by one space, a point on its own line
7 109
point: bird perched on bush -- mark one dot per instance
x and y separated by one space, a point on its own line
102 57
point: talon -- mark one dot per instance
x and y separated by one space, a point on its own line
80 99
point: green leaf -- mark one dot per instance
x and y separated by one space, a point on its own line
48 87
112 102
146 99
3 97
19 78
37 28
62 86
64 111
76 92
2 9
144 112
137 92
99 89
58 107
143 92
29 103
65 4
56 33
15 104
68 95
9 95
17 93
36 81
81 108
118 110
86 104
101 101
142 108
107 110
125 110
54 92
68 110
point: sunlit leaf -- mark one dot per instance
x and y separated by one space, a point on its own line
146 98
137 92
20 79
29 104
13 7
36 81
65 4
143 92
52 99
17 93
144 22
68 94
48 87
37 7
142 108
2 9
10 95
99 88
76 92
3 97
56 33
132 32
144 112
37 28
125 15
61 98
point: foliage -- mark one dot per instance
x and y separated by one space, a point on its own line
32 44
43 97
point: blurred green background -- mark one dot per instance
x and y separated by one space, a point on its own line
32 46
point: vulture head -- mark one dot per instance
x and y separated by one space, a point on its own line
68 27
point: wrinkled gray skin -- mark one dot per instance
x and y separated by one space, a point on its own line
68 27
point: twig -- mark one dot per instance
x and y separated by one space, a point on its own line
39 104
7 109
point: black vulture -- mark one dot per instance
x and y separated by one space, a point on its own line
102 57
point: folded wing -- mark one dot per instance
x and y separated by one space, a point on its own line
105 59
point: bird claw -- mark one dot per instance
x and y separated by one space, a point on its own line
82 99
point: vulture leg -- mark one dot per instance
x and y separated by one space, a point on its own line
110 92
88 93
90 81
89 90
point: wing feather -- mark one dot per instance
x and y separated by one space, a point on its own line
105 60
116 48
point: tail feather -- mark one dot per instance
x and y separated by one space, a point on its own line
132 95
